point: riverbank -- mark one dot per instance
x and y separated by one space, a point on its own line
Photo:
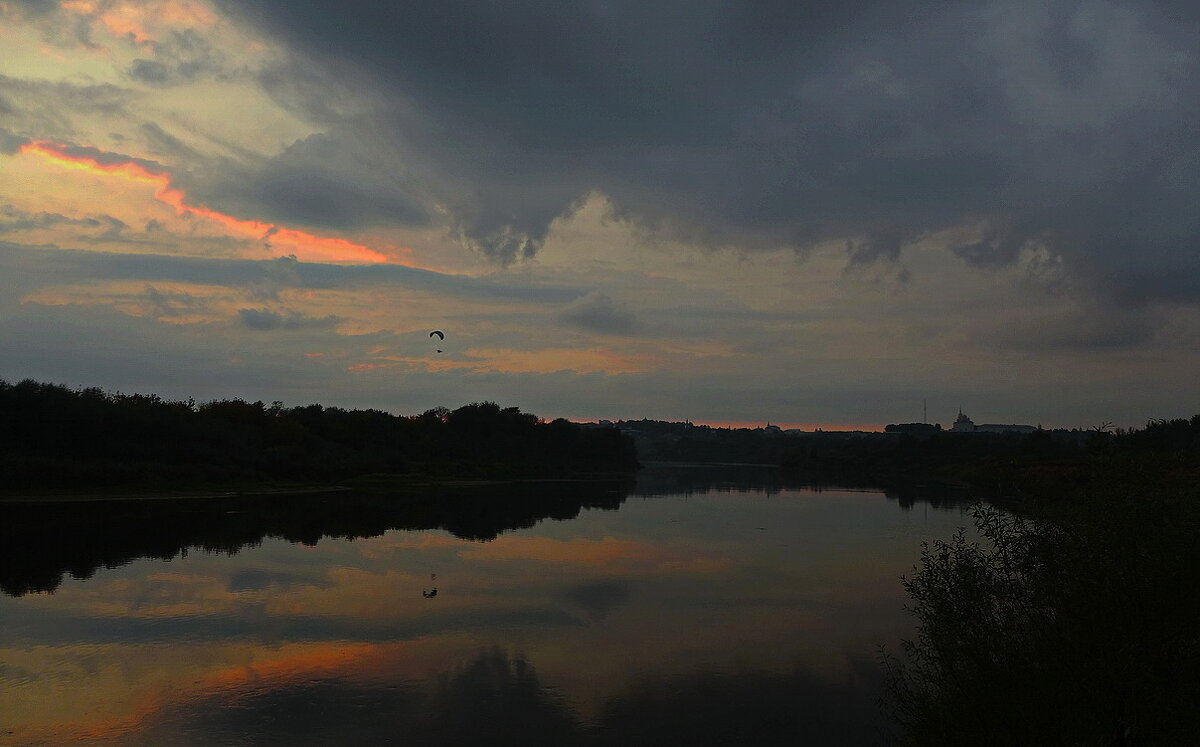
167 495
376 483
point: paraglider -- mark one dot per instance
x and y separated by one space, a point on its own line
440 335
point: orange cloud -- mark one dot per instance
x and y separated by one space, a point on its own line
303 245
141 22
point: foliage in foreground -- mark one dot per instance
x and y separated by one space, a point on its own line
1067 631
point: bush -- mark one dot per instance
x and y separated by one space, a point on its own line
1052 632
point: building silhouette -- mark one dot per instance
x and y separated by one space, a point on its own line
963 424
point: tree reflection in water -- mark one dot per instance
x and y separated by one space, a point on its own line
41 542
680 620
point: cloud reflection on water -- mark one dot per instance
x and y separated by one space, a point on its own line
698 614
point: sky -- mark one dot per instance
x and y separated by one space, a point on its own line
815 214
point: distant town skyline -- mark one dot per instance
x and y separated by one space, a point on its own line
729 212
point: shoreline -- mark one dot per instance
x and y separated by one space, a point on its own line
397 485
173 495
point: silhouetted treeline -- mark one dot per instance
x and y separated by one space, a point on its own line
40 542
974 458
55 437
663 441
1158 437
860 458
1005 463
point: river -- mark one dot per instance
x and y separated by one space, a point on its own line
693 606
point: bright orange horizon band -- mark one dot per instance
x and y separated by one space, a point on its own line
762 424
789 426
338 250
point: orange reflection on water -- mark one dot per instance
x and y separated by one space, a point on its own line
132 706
661 590
606 553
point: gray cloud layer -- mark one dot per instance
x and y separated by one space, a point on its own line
1069 125
39 267
596 312
266 319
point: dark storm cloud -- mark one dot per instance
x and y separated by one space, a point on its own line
885 245
33 8
58 27
14 219
81 97
179 57
1072 125
164 142
596 312
995 248
10 142
149 71
98 229
167 304
327 182
1090 328
32 268
265 319
45 109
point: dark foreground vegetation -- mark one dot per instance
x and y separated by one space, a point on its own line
53 437
1076 619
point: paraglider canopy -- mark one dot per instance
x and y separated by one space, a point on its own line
439 333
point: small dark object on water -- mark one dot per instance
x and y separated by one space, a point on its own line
430 594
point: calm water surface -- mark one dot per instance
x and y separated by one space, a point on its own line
694 608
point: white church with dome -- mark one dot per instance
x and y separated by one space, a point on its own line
963 424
